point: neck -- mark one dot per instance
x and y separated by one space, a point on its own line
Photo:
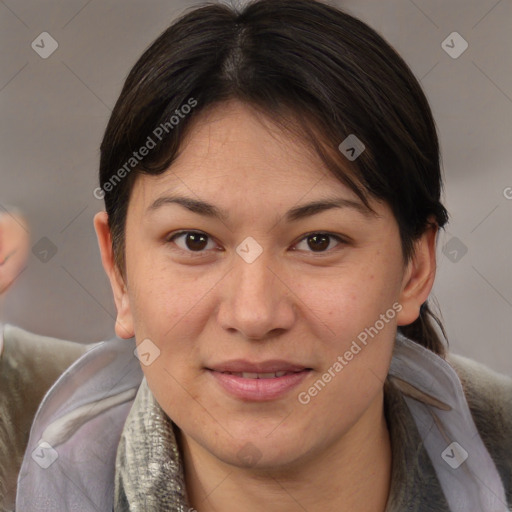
352 474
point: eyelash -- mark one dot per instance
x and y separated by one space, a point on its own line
338 238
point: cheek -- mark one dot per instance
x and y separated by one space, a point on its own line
161 297
171 309
343 305
168 309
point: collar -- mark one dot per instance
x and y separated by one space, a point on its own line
431 432
108 449
149 440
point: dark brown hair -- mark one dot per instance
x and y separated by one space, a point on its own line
299 60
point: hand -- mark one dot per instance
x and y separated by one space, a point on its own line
14 247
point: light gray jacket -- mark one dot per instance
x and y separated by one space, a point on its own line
446 457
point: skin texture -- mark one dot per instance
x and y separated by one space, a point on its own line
301 301
14 245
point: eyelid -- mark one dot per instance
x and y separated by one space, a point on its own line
341 239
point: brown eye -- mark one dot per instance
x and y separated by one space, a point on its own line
319 242
196 241
191 241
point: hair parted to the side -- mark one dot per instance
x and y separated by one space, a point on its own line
308 66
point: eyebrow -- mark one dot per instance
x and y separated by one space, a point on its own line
293 215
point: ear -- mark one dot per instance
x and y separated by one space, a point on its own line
124 321
418 277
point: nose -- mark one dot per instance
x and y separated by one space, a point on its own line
258 303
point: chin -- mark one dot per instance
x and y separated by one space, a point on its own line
257 452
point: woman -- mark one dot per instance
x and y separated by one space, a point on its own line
272 189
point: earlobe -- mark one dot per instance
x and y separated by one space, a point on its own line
124 321
418 277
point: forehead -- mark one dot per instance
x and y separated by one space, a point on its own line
232 148
235 133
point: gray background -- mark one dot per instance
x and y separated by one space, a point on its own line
54 112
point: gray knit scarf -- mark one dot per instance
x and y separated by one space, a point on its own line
149 471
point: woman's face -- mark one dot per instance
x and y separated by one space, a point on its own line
246 282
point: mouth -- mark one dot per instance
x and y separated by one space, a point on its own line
251 375
258 382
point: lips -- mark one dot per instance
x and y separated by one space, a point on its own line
249 381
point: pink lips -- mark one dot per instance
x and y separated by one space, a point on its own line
259 382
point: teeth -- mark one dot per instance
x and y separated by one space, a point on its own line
271 375
252 375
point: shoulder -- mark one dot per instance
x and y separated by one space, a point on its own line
29 365
21 344
489 393
489 396
88 404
